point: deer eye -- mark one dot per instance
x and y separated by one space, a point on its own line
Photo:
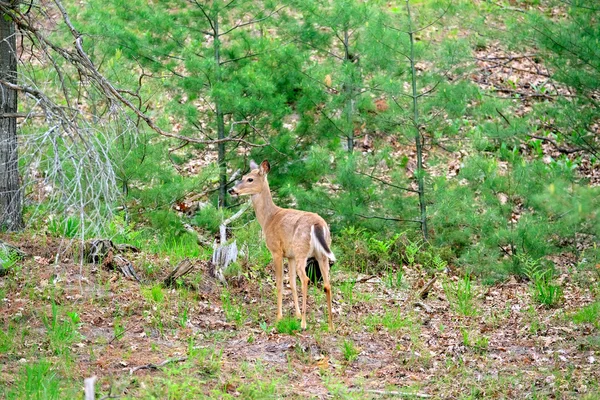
250 180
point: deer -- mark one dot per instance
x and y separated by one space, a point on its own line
293 234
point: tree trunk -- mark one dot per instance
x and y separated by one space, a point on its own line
11 217
220 118
420 173
348 91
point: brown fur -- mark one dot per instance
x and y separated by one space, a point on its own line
292 234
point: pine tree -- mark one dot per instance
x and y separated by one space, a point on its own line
217 61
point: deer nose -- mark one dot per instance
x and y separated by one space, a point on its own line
232 191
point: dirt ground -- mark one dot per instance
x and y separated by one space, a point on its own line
221 341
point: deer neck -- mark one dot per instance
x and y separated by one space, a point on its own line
264 206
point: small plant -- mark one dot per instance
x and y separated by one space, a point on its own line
411 250
234 269
118 329
542 282
157 294
535 325
64 227
7 338
347 290
461 296
288 325
8 259
266 328
233 312
183 317
438 263
588 315
350 350
154 294
479 343
39 380
393 279
206 359
62 334
392 320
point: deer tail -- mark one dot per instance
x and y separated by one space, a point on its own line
317 235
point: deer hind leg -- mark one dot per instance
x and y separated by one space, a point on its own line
301 263
278 262
324 267
293 285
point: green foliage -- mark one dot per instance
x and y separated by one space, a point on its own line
288 325
62 332
156 293
392 320
7 338
479 343
461 296
542 282
8 259
39 381
234 311
589 314
365 252
349 350
208 218
68 227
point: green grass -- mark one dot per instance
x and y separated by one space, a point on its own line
62 332
40 381
349 350
288 325
461 296
544 291
392 320
234 311
7 338
477 342
589 314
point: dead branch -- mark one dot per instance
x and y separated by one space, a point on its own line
423 306
425 291
183 268
9 248
90 391
157 366
395 393
562 150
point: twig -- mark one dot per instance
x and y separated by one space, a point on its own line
387 183
562 150
388 218
423 306
157 366
120 334
396 393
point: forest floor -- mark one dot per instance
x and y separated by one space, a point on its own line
63 322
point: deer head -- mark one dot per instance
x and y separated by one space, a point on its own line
254 182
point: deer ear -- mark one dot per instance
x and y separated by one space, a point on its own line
253 165
265 167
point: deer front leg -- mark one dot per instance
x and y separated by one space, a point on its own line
278 262
304 278
292 262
